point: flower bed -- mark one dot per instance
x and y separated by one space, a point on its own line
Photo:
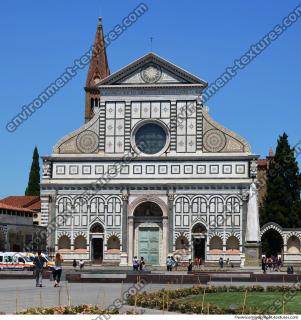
174 300
81 309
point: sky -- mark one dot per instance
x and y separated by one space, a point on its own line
40 39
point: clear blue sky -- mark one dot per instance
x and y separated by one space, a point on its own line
39 39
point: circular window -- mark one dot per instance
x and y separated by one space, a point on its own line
150 138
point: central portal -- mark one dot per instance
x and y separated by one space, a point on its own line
199 233
148 246
148 232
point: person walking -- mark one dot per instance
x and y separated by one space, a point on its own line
74 264
57 269
39 263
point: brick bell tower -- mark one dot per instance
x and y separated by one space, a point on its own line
98 70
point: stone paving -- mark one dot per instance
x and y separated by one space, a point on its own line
22 294
19 294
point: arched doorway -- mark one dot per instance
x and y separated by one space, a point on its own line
96 234
198 234
272 243
148 232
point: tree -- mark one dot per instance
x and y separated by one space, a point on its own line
33 187
282 202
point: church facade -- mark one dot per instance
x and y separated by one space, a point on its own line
149 174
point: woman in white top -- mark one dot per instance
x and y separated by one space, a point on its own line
57 269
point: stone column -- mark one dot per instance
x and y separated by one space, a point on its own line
130 239
165 245
170 221
124 249
124 220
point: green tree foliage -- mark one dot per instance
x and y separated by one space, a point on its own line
33 187
282 202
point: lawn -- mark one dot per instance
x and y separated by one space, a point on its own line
254 299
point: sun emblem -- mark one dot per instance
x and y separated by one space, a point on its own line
151 74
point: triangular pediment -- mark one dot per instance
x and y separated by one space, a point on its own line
151 69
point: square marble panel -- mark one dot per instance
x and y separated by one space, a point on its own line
188 169
227 169
214 169
137 169
60 169
110 110
240 169
73 170
135 109
99 170
86 169
201 169
165 109
120 110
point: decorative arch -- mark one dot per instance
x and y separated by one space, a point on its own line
233 204
96 227
293 244
64 242
272 239
293 233
232 243
80 243
182 243
135 203
113 244
216 204
232 234
97 205
148 209
199 227
182 204
80 204
217 234
182 246
199 204
64 204
216 243
113 233
118 204
269 226
79 233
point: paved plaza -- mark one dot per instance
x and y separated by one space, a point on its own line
17 295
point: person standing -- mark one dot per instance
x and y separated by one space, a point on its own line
39 263
169 263
263 264
141 264
189 268
81 264
74 264
221 262
57 269
135 264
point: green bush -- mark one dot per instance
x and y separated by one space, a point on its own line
80 309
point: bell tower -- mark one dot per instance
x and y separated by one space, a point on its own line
98 70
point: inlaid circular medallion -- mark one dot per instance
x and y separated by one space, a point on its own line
87 142
214 140
151 74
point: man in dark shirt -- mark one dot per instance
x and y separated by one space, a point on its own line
39 262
